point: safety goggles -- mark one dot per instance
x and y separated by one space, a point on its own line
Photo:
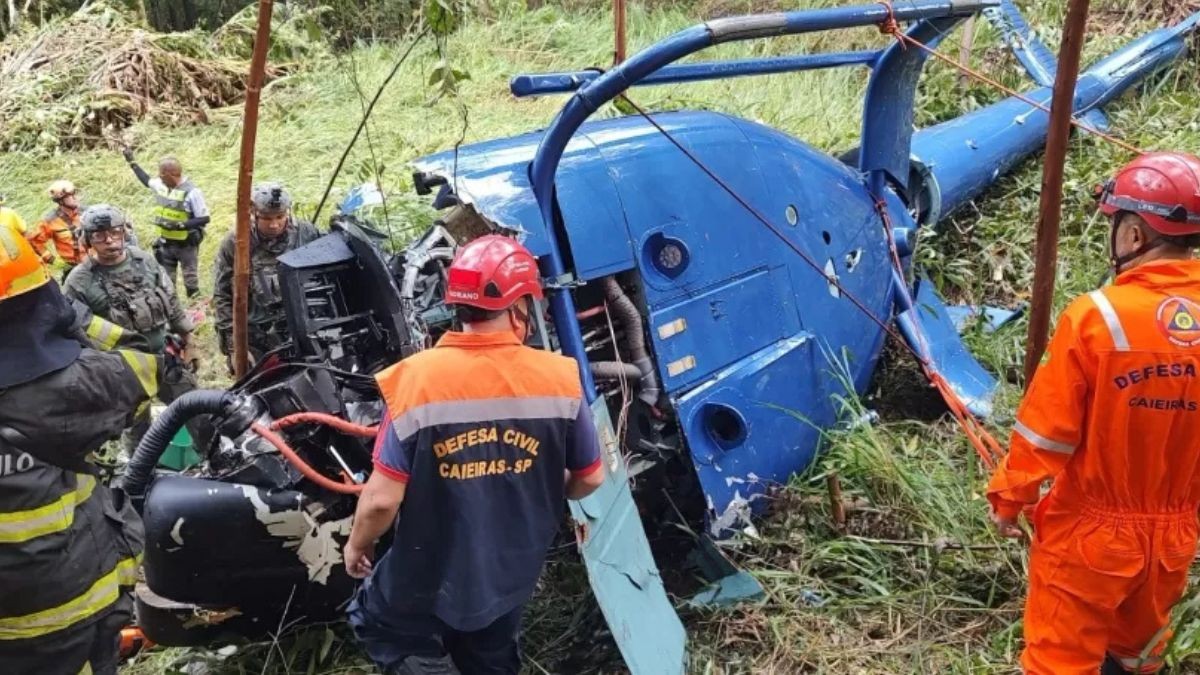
1176 214
114 234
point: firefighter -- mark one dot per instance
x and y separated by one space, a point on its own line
180 214
274 233
68 545
482 438
59 227
1113 414
127 287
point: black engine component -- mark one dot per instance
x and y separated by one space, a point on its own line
234 550
247 535
343 306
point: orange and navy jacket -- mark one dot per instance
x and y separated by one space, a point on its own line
482 430
1114 409
59 228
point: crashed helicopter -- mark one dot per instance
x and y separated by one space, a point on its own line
661 238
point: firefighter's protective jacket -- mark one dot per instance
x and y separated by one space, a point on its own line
67 548
1113 415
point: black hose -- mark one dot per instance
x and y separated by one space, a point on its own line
154 443
615 370
635 335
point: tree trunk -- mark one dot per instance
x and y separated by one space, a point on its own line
14 17
180 15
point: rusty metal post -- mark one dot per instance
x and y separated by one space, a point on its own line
1050 210
619 32
241 256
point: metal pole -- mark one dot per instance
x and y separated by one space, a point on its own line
1061 109
241 256
964 49
619 20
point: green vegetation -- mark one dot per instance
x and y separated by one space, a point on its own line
916 582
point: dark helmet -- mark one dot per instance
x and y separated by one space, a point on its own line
270 199
101 217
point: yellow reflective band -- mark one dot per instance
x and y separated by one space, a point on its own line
57 516
106 334
29 281
144 367
86 669
127 571
176 235
102 594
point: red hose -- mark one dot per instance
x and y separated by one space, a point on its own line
589 313
309 472
329 420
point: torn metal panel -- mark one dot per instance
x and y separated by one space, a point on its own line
730 590
930 331
993 318
622 570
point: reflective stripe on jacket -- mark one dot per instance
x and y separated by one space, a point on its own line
480 429
170 211
67 549
1114 409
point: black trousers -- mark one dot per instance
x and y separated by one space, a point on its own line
96 644
389 640
181 255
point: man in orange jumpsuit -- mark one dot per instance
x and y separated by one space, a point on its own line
55 234
1113 415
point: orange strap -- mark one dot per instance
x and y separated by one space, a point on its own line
989 450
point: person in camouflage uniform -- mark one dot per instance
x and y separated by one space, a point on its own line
127 286
274 233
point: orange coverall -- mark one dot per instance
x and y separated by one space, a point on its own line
57 227
1112 415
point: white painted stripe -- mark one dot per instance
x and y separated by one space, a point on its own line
1112 320
1040 441
485 409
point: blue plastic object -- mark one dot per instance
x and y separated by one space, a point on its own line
360 197
993 318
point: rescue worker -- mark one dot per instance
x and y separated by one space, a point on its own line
68 545
481 440
127 287
1113 414
275 232
59 227
180 215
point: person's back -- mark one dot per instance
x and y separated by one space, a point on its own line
68 549
1139 342
482 439
1113 416
491 422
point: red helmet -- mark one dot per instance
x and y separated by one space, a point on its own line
492 272
1161 187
